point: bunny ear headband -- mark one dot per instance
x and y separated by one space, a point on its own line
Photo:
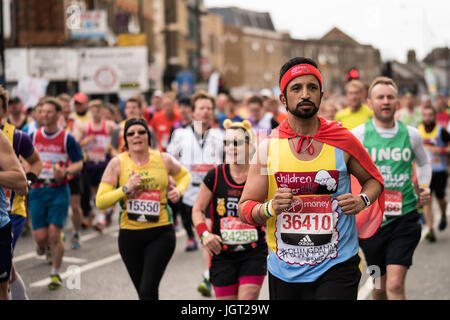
246 125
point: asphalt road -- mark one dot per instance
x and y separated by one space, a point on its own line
96 271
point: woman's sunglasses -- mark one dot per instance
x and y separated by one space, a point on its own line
140 132
236 143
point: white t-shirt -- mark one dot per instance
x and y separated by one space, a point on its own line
198 156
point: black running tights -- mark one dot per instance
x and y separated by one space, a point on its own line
146 254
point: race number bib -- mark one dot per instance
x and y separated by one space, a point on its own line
97 154
306 232
236 235
96 151
392 204
144 205
309 222
47 170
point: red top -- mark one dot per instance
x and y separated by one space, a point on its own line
162 125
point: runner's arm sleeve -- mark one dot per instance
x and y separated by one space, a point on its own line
26 148
107 196
73 149
182 179
420 157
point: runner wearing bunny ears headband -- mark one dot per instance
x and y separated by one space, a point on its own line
249 138
238 262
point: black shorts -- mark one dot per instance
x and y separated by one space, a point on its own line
5 252
394 243
340 282
230 271
75 185
439 183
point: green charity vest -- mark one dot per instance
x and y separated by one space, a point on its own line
393 158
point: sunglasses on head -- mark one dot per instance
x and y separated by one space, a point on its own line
233 142
132 133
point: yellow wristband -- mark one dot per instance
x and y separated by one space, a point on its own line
271 209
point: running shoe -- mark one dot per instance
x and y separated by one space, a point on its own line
442 224
430 236
191 245
76 241
55 282
204 288
100 226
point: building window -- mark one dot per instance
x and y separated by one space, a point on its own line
172 44
192 24
171 11
212 44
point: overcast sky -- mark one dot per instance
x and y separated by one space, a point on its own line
392 26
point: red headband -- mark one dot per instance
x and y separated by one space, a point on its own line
300 70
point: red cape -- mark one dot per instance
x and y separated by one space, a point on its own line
369 220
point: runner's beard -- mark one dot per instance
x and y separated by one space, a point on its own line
300 113
429 126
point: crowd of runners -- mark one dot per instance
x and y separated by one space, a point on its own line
294 185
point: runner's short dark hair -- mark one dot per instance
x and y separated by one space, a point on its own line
54 102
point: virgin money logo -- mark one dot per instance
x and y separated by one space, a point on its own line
296 206
317 204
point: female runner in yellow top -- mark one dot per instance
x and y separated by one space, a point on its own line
139 179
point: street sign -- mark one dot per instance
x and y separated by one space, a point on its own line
185 82
92 24
111 70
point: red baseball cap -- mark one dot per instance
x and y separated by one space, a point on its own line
80 97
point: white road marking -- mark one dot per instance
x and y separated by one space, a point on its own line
66 259
24 257
83 239
88 266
